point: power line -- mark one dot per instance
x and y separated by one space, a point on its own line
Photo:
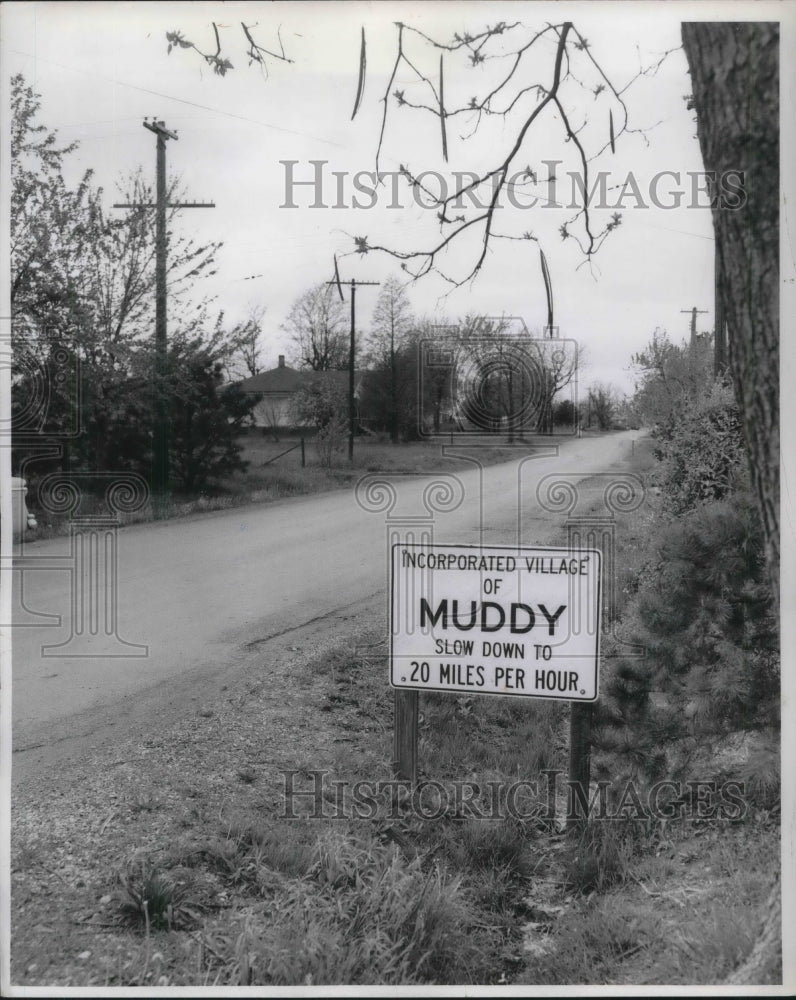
180 100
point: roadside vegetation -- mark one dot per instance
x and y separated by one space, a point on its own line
174 863
196 870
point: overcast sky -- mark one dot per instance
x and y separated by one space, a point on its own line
101 68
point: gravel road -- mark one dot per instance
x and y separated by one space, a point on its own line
198 597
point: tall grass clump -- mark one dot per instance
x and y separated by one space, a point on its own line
363 915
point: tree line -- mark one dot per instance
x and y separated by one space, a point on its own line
422 376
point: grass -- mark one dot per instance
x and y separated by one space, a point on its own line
365 915
282 478
212 887
600 854
153 900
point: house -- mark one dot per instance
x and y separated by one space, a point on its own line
279 388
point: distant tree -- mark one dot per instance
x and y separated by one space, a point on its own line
558 367
564 413
488 370
670 377
246 336
390 327
603 402
318 325
432 392
323 403
507 378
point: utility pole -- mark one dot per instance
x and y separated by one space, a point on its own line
693 312
351 352
160 441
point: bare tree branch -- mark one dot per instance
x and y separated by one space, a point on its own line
506 96
220 64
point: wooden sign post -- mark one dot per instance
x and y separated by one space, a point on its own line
579 761
405 736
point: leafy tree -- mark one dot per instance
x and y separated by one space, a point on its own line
52 227
317 323
602 405
82 290
323 403
670 377
702 453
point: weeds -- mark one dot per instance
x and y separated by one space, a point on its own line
595 938
280 849
488 845
363 914
152 900
601 856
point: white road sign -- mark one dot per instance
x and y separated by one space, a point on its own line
496 620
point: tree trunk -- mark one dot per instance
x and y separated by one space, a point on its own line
735 76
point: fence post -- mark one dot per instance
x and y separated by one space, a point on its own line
303 460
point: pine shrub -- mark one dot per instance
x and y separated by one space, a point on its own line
706 621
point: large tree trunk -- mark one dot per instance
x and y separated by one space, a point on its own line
735 76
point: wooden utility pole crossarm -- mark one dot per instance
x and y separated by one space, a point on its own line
694 311
160 449
169 204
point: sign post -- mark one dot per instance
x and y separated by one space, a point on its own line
405 736
495 620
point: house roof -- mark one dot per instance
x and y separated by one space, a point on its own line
286 380
282 379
